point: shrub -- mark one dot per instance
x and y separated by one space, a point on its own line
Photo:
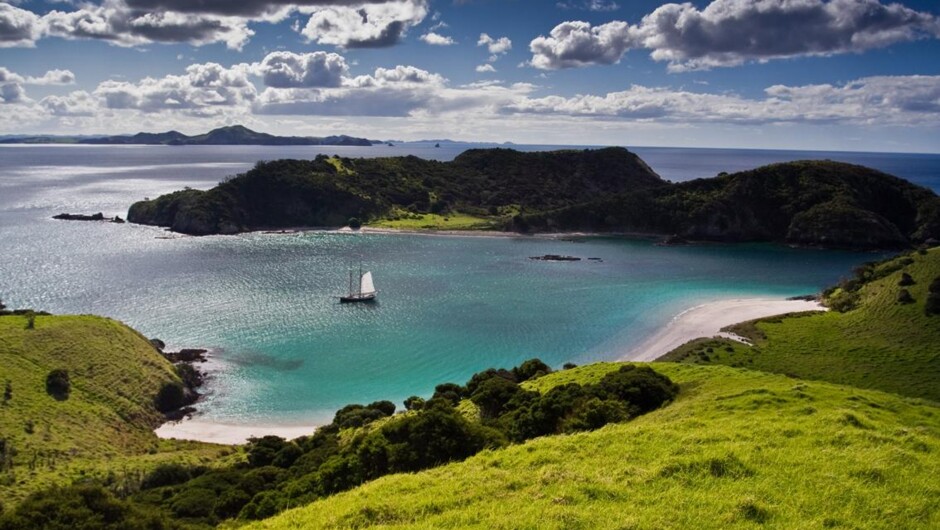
30 320
932 307
568 366
166 475
906 280
531 369
492 396
262 451
7 391
230 503
414 403
83 506
385 407
843 301
904 297
193 502
58 384
170 397
354 223
452 392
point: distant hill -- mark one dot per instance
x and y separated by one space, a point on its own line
233 135
820 203
489 183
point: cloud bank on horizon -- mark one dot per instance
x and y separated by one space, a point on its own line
830 74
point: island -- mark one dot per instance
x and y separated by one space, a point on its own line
609 190
231 135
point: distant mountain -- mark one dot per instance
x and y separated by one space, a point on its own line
233 135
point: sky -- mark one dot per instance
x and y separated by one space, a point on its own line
857 75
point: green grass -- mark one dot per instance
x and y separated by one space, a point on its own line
105 427
738 449
431 221
881 344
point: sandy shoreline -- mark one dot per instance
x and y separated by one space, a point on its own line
223 433
706 320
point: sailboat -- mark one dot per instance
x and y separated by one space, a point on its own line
361 290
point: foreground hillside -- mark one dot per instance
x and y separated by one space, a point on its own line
604 190
737 449
90 426
874 338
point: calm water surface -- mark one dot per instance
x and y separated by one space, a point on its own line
448 306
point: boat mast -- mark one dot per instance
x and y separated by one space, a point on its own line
360 278
350 283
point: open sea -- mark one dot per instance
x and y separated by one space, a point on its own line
288 352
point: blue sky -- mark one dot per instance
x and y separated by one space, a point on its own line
808 74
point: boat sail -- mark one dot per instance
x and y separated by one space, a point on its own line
362 290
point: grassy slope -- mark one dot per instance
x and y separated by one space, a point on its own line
105 426
737 448
881 344
430 221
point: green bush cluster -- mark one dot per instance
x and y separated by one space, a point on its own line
58 384
364 442
89 507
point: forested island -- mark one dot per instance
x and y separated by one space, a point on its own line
232 135
608 190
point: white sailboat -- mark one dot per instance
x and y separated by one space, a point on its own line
361 290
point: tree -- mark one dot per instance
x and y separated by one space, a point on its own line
904 297
58 384
906 280
414 403
30 320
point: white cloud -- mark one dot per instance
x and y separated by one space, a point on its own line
53 77
732 32
436 39
115 23
18 27
78 103
368 26
485 68
900 100
496 47
574 43
292 70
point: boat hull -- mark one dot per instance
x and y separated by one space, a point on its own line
357 298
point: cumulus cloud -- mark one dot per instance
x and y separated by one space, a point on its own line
243 8
732 32
485 68
902 100
53 77
293 70
115 23
78 103
368 26
18 27
574 43
496 47
436 39
11 87
203 90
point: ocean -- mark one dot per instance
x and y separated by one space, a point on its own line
287 352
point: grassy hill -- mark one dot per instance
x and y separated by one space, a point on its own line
105 424
738 449
879 343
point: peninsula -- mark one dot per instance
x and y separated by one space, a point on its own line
609 190
232 135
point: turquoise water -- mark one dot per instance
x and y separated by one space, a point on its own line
286 351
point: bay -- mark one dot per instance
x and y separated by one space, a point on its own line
287 352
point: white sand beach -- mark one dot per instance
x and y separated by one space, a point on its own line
706 320
221 433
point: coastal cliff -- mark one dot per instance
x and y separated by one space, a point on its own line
820 203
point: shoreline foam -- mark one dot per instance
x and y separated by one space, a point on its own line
706 320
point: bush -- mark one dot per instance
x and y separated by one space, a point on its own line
7 391
170 397
450 391
904 297
932 307
262 451
193 502
83 506
531 369
166 475
492 396
58 384
568 366
30 320
414 403
843 301
354 223
906 280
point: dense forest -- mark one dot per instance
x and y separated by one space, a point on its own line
605 190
